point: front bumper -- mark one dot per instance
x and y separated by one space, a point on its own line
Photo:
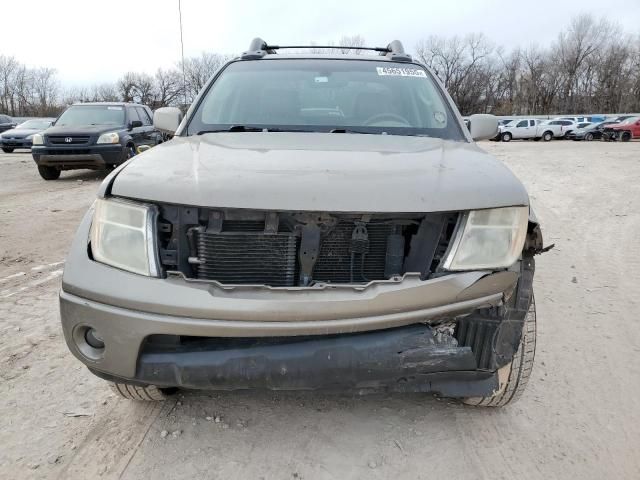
15 143
79 156
410 358
128 309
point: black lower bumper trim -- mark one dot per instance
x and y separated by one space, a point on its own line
404 359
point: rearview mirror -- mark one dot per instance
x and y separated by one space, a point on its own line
483 126
167 119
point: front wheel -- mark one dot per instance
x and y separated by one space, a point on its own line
7 149
149 393
48 173
625 136
588 137
519 370
506 137
547 136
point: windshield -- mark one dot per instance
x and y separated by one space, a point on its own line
35 124
326 95
80 115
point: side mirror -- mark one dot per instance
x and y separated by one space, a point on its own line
483 126
167 119
135 124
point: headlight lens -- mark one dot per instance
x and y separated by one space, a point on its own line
38 139
109 137
122 236
489 239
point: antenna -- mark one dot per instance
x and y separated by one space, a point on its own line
184 76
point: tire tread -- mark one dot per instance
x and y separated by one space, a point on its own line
148 393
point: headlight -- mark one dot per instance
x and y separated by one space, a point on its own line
37 139
488 239
109 137
122 236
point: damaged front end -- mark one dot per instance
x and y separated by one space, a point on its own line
456 355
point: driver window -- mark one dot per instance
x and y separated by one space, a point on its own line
522 123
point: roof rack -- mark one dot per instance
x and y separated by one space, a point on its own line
259 48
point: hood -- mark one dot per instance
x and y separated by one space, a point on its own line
20 132
320 172
83 129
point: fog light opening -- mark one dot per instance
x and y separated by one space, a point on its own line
89 342
92 337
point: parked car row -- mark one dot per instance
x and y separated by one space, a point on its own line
85 135
622 128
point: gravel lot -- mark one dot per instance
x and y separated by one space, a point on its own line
580 417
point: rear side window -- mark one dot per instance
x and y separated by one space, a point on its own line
532 123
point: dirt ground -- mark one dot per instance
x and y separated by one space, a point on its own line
579 418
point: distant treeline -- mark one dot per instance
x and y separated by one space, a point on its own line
592 66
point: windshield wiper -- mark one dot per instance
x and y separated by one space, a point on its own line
233 128
244 128
348 130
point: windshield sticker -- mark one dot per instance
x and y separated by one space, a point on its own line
440 117
321 79
401 72
114 108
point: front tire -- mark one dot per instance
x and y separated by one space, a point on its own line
7 149
149 393
625 136
547 136
48 173
506 137
519 370
588 137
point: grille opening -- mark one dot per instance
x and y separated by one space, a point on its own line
288 249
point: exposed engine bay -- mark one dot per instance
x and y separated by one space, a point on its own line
289 249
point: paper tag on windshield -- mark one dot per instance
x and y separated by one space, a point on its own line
401 72
114 108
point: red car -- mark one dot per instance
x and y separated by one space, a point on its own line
625 130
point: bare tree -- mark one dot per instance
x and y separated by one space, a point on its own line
168 88
574 47
198 70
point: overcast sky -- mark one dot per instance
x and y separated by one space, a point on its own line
89 41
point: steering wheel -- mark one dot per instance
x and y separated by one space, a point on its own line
386 116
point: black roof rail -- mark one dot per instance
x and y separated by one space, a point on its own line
259 48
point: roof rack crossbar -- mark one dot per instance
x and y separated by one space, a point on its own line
335 47
259 48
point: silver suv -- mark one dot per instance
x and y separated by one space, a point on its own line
316 222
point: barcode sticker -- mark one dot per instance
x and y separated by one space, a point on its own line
401 72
